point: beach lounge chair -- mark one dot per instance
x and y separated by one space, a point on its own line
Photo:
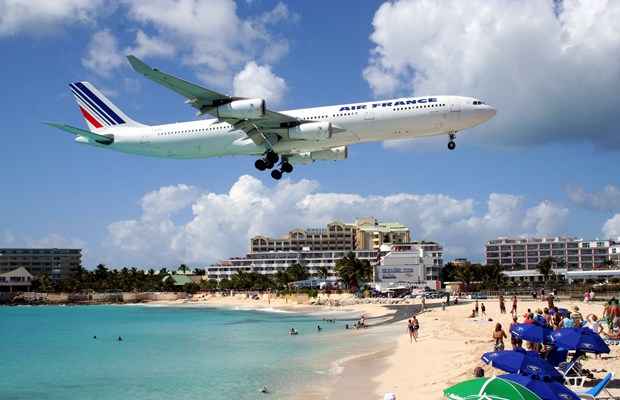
573 372
600 387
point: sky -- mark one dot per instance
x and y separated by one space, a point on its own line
547 164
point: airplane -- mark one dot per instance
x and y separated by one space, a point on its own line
245 126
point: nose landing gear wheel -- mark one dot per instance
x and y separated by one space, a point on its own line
451 145
276 174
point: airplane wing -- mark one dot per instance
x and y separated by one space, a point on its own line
207 101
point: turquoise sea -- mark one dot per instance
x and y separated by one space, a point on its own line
48 352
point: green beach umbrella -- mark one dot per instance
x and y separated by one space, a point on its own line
493 388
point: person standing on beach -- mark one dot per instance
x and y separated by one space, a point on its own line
513 310
476 309
502 305
484 310
410 330
514 341
416 328
499 335
423 302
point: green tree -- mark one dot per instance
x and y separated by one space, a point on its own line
465 274
448 273
323 272
183 268
297 272
43 283
545 267
353 271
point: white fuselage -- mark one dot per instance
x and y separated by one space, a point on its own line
403 118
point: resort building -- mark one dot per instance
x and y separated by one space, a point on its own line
363 234
573 258
17 280
56 263
270 262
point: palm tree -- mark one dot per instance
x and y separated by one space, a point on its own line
297 272
545 267
353 271
323 272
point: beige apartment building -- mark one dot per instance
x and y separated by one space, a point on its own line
363 234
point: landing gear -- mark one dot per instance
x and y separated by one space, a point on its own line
451 143
272 157
270 160
260 164
286 167
276 174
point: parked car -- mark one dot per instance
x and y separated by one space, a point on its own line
478 296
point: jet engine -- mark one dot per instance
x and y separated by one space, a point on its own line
311 131
333 154
242 109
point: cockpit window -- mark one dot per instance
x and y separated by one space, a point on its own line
478 102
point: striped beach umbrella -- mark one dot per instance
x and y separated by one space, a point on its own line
492 388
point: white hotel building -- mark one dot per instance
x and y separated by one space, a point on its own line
270 262
582 259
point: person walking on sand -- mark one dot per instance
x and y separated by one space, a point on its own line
476 308
483 309
502 305
416 327
410 330
423 302
513 310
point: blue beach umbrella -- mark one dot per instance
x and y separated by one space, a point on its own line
545 390
579 339
522 362
533 333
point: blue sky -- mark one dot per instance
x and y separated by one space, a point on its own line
547 164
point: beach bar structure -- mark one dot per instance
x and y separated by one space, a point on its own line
17 280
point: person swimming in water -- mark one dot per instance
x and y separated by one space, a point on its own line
120 339
292 331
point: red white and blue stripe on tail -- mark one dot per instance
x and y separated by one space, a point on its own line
98 111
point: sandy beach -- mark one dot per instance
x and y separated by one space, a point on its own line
447 351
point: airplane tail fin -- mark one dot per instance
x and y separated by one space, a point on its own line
98 111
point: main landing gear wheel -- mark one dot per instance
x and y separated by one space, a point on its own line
276 174
260 164
272 157
287 167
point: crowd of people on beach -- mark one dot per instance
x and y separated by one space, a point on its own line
608 325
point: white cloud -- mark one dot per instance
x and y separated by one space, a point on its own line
611 229
17 16
221 224
551 70
146 46
607 199
56 240
258 81
103 55
211 36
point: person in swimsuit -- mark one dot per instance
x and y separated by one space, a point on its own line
416 328
410 330
499 335
513 310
